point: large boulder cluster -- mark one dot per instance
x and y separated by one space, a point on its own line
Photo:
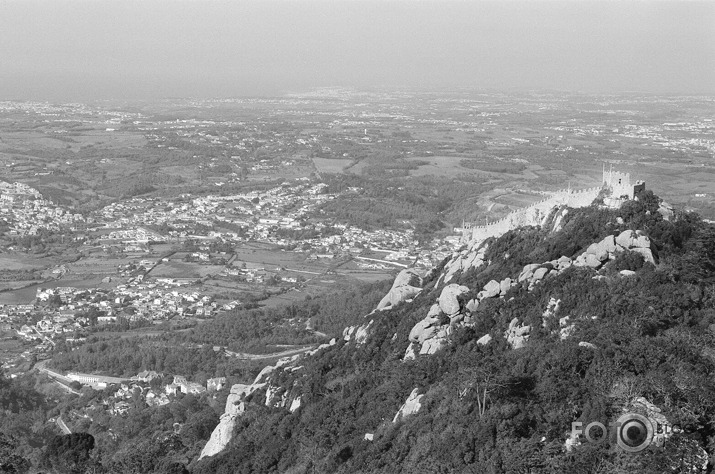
517 335
473 257
450 310
535 272
601 252
407 285
595 256
448 301
432 333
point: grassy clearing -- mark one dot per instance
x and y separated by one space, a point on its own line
13 261
328 165
179 269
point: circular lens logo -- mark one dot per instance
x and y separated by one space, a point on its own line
634 432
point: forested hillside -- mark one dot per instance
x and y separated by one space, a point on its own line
632 332
638 332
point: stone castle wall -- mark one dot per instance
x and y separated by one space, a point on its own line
534 214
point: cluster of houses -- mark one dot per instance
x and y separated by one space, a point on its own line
260 216
282 207
26 212
132 224
68 311
156 301
122 393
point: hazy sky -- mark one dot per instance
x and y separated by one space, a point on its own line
88 49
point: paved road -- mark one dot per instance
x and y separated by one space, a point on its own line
60 379
61 424
244 355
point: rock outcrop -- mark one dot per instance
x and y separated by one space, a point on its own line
490 290
407 284
473 257
437 342
221 435
535 272
410 352
517 335
411 406
424 329
448 302
600 252
431 333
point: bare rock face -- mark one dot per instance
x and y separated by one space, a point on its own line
424 329
223 432
467 259
604 247
528 272
504 286
434 310
625 238
430 346
484 340
406 285
437 341
598 253
410 352
598 250
397 295
517 335
586 345
407 277
630 239
490 290
647 254
557 221
592 260
411 406
361 333
539 274
561 263
472 305
448 302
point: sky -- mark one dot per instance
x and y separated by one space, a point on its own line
76 50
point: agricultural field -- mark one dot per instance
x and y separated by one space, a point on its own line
20 261
176 268
330 165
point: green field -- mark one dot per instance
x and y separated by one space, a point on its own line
175 268
17 261
328 165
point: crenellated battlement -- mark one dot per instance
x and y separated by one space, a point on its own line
533 214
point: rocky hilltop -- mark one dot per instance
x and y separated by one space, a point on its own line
484 363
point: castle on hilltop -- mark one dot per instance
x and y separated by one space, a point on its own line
620 184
